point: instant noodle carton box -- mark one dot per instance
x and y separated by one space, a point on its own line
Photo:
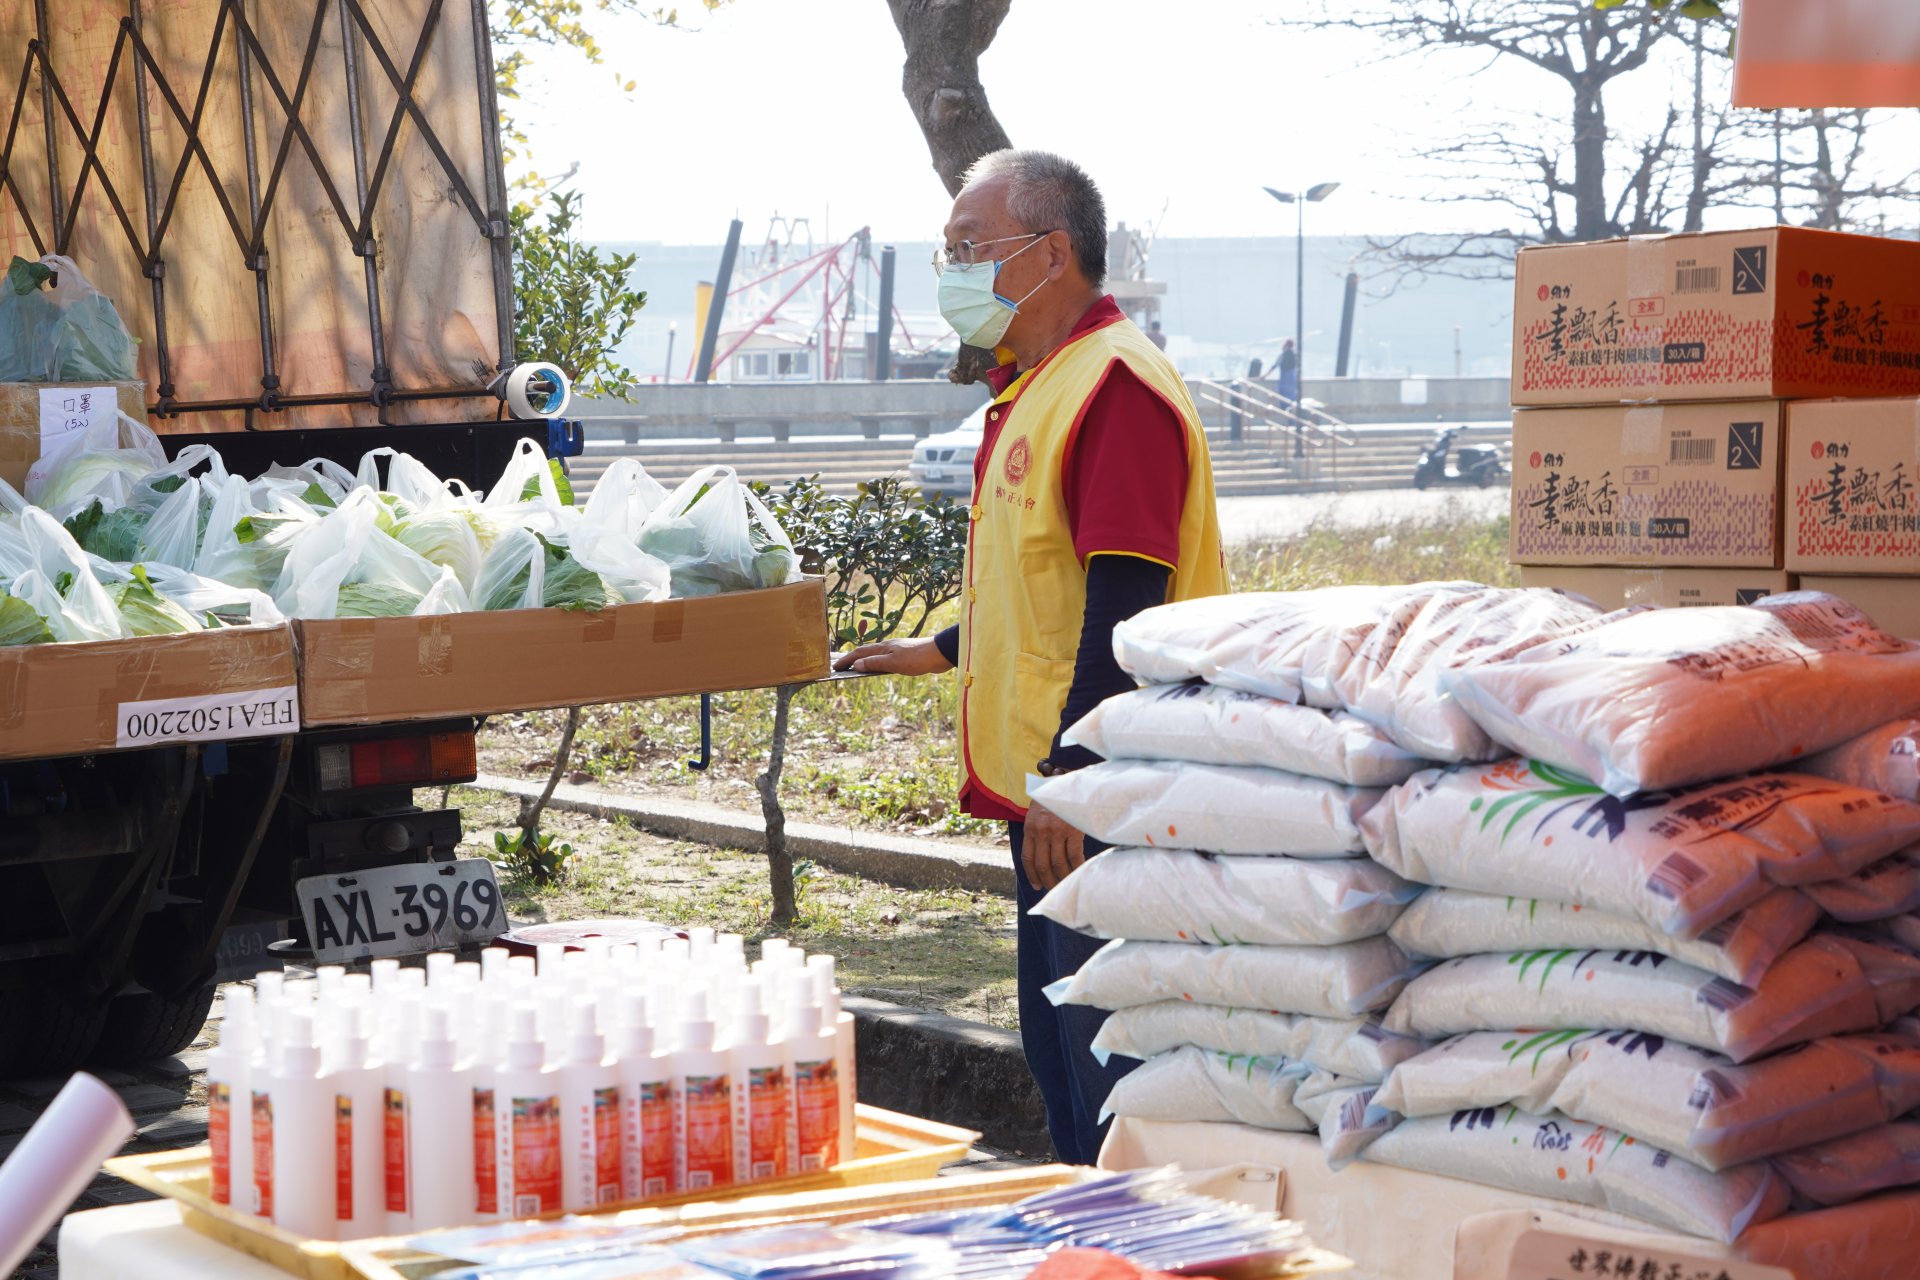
1893 603
1776 313
1612 588
1681 484
1853 486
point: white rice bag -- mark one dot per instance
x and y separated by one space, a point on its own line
1828 985
1890 887
1883 759
1172 895
1685 1100
1208 725
1358 1048
1668 697
1194 1084
1349 1123
1844 1169
1679 863
1561 1158
1395 681
1443 923
1216 807
1329 982
1284 644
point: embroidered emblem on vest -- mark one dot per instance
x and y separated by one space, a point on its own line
1019 461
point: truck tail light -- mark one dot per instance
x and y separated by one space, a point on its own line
425 760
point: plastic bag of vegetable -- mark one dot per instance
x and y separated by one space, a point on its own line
172 533
27 318
88 340
342 565
212 603
706 533
446 537
526 571
21 623
61 585
105 461
602 535
144 611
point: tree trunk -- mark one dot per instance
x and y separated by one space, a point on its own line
1590 220
531 810
779 860
1703 157
944 40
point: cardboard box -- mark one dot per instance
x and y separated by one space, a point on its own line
103 695
1853 486
32 412
1613 588
1777 313
1894 603
373 670
1684 484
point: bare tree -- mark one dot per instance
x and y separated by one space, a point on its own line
944 40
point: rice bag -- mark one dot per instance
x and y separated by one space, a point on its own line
1828 985
1696 1104
1171 895
1355 1048
1886 758
1842 1170
1396 679
1216 807
1443 923
1189 1084
1890 887
1678 862
1330 982
1669 697
1207 725
1323 1094
1563 1159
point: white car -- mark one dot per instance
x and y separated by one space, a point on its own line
944 463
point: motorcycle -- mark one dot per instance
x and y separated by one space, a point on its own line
1477 464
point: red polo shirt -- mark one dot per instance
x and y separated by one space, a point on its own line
1125 481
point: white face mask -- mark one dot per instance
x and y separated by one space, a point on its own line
968 301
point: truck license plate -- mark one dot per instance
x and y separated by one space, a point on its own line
401 910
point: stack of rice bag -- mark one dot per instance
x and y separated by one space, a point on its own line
1655 969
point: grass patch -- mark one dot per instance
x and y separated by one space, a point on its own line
1418 549
936 949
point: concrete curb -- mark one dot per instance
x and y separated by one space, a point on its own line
950 1070
902 861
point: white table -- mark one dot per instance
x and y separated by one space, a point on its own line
1398 1225
147 1241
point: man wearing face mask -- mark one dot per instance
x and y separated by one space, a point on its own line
1093 500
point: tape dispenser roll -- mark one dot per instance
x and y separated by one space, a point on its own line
550 401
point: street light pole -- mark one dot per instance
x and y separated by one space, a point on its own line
673 329
1298 199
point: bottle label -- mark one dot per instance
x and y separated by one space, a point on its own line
262 1154
768 1100
535 1171
395 1142
220 1139
606 1146
656 1138
342 1157
709 1132
485 1165
816 1093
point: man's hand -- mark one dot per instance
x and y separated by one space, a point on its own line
916 657
1052 849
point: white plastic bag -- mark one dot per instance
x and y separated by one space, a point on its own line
61 586
102 462
705 534
501 584
623 497
1395 681
203 597
1669 697
345 548
1843 1170
172 535
1204 724
1828 985
1358 1048
1563 1159
1216 807
1172 895
1342 981
1886 759
1194 1085
1444 923
1696 1104
1679 863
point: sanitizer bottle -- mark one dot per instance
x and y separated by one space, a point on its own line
526 1104
762 1091
813 1066
646 1108
440 1130
703 1087
590 1115
361 1153
230 1102
294 1135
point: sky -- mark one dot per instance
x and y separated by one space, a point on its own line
1181 109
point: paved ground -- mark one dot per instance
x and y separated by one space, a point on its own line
1244 519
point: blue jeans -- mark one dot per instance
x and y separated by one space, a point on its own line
1059 1040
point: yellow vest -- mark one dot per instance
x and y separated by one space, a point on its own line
1026 593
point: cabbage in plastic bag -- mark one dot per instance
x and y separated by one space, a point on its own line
144 611
564 582
21 623
446 537
111 535
376 600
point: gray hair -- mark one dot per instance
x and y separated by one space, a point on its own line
1047 192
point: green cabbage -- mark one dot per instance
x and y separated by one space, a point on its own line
92 471
144 611
111 535
20 623
447 538
375 600
565 584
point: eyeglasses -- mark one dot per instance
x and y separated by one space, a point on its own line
965 254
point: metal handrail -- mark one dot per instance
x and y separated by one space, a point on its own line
1272 411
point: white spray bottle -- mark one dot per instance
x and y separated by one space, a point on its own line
526 1101
813 1065
293 1129
590 1114
440 1129
361 1153
230 1102
762 1091
646 1108
703 1103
